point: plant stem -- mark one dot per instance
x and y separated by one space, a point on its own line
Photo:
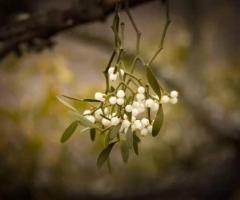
106 70
168 21
138 33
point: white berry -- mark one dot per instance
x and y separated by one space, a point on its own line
111 70
149 128
113 77
99 96
122 72
135 104
120 93
133 119
174 94
91 118
106 110
86 112
125 116
156 96
144 132
155 106
145 121
140 97
165 99
125 123
106 122
149 103
135 112
141 90
128 108
120 101
115 121
113 100
133 127
98 114
173 100
138 124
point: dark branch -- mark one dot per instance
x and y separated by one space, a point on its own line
35 30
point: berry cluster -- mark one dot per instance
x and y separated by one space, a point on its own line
131 107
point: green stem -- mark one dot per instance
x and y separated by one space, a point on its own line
168 21
122 83
134 77
105 117
106 70
138 33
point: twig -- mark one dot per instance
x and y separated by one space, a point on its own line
37 31
168 21
138 33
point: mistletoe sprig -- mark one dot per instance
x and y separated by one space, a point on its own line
129 107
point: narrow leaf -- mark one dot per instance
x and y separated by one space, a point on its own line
107 138
136 140
82 100
93 134
104 155
66 104
124 150
114 131
158 121
129 137
109 165
69 131
153 82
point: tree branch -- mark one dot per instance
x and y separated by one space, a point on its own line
34 32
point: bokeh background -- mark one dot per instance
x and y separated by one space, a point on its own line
196 155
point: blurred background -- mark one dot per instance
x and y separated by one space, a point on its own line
197 153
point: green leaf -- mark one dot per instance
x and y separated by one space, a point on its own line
66 104
93 134
104 155
114 131
82 100
153 82
136 140
69 131
107 138
109 165
158 121
129 137
124 147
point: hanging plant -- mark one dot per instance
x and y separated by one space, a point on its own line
129 108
